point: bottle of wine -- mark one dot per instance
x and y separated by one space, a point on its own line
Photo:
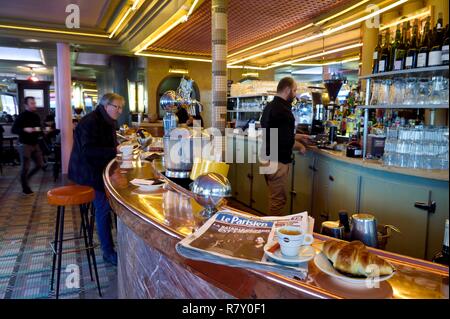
445 48
377 54
400 51
442 257
435 55
422 56
383 62
411 54
394 46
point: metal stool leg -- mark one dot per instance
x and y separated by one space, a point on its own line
94 261
83 213
92 220
55 245
59 251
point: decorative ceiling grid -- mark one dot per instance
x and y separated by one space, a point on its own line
249 21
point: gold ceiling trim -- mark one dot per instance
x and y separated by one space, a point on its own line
181 16
57 31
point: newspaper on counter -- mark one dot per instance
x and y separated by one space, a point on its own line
237 240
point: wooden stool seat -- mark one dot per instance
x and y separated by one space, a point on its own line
70 195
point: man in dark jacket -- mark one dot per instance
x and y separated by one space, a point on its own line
28 126
278 115
94 147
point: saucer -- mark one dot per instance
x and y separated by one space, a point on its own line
305 253
147 185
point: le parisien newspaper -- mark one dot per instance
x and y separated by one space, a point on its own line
234 239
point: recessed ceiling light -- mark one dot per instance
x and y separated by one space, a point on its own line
32 65
31 40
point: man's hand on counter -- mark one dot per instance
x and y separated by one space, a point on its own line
300 148
304 139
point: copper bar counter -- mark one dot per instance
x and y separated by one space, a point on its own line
150 225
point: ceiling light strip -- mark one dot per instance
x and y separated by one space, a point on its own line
14 27
272 39
174 57
300 29
322 34
317 55
192 8
341 12
127 13
416 16
41 52
170 27
165 31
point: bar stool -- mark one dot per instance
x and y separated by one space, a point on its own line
66 196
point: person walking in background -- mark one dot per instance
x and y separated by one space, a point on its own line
94 146
28 126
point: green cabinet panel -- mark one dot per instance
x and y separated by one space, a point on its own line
242 186
392 202
439 194
342 190
260 191
302 182
319 209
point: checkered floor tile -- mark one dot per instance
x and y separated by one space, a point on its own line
26 229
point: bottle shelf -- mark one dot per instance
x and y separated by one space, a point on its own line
442 69
405 106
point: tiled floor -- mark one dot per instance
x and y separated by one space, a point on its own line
26 228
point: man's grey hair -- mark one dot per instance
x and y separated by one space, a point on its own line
108 98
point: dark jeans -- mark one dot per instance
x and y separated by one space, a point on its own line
28 153
103 221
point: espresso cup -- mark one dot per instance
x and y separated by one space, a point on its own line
291 238
127 150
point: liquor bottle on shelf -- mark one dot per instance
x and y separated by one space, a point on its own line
445 48
354 148
442 257
383 62
400 50
435 55
394 46
377 54
422 56
411 54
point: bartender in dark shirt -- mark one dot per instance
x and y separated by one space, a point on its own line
278 115
28 127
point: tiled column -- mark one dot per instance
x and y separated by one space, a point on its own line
64 103
219 10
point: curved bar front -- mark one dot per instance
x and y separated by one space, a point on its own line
150 224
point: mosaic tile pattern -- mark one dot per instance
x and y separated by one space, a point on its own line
26 229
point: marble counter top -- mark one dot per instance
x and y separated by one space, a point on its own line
150 224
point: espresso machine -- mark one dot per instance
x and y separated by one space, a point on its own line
317 126
333 87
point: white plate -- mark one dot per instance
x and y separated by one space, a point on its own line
322 262
305 253
147 187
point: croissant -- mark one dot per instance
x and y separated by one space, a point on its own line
353 258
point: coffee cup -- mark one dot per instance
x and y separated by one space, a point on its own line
291 238
127 150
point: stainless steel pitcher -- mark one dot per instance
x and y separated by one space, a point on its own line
364 228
